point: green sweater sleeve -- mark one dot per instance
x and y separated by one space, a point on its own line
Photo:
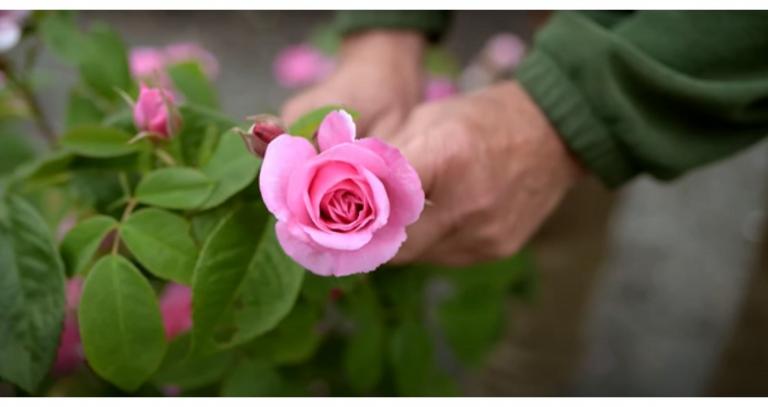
652 92
432 23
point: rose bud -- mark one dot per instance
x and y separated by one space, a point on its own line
265 128
154 112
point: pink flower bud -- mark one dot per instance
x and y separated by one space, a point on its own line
176 309
505 50
154 112
189 51
148 65
301 65
265 128
70 353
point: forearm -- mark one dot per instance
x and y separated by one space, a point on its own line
658 93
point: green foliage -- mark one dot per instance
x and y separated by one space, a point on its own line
307 125
31 294
190 371
175 188
365 351
83 241
120 323
189 79
99 142
251 378
162 243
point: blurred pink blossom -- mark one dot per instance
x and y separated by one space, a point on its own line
439 88
189 51
148 64
301 65
11 23
176 308
505 50
70 352
65 225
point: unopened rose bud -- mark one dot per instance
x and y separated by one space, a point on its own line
265 128
154 112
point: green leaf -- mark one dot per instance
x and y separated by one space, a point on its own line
293 341
100 142
62 36
175 188
363 357
46 169
31 295
220 268
120 323
190 80
81 243
82 110
104 62
251 378
189 371
307 125
268 290
413 363
232 167
17 149
161 241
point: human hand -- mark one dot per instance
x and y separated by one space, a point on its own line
379 76
493 168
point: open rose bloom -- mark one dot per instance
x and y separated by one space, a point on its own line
343 210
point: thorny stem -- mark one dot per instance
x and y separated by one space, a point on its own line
44 127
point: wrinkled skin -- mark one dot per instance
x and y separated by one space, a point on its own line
492 166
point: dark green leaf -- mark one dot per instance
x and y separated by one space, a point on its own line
252 378
17 149
413 363
120 323
104 62
61 34
293 341
100 142
232 167
81 110
175 188
364 354
189 371
81 243
31 295
190 80
161 241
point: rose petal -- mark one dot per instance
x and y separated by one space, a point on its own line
326 262
403 185
284 155
336 128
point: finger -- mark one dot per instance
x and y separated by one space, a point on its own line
385 128
421 235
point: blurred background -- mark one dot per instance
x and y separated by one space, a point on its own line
641 291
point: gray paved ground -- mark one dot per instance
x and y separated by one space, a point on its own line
678 257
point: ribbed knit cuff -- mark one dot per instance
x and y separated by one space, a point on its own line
432 23
583 133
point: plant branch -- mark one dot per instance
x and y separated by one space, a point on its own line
43 126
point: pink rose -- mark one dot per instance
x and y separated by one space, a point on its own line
505 50
342 211
439 88
11 25
70 353
189 51
301 65
153 112
176 309
146 62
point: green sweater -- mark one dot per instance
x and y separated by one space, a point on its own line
656 92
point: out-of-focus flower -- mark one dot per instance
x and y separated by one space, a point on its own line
189 51
65 225
70 352
176 309
11 23
171 391
438 88
154 112
265 128
301 65
505 50
343 210
149 64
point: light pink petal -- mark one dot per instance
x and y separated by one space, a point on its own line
357 154
406 196
380 199
339 241
326 262
70 352
284 155
176 309
323 178
337 128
